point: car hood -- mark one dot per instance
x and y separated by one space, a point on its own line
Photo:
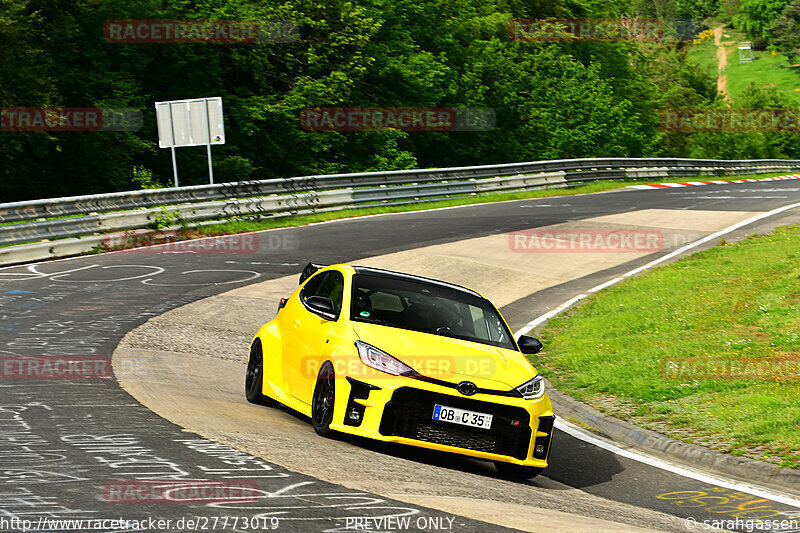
448 359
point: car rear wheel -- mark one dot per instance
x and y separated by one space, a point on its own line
516 472
323 400
254 379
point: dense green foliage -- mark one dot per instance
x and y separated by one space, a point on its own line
755 16
552 100
776 22
785 31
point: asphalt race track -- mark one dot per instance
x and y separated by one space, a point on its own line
65 443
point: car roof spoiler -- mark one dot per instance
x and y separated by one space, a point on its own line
308 270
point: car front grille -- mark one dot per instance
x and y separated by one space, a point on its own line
409 414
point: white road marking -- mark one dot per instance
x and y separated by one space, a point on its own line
559 424
537 321
739 486
693 197
260 263
253 276
550 314
156 270
606 284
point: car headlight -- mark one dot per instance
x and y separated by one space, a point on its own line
532 389
373 357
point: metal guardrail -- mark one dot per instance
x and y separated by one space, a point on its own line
85 215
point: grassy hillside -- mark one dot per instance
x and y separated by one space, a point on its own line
766 70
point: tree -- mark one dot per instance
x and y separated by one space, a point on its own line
755 16
785 31
551 100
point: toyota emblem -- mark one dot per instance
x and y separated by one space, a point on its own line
467 388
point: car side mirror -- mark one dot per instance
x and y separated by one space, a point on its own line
322 306
529 345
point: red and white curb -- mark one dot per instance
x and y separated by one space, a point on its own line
715 182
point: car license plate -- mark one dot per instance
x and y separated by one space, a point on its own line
462 416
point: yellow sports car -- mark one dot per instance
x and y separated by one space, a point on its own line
404 359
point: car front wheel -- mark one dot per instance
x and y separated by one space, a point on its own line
254 379
323 400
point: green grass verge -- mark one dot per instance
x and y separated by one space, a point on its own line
704 55
730 302
765 70
245 225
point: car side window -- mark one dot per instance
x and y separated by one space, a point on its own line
311 288
329 285
384 301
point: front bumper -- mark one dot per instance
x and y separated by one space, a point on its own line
400 410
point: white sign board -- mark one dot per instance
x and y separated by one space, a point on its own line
193 122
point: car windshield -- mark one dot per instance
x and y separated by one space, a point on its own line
429 308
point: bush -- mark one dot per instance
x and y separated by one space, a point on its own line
760 44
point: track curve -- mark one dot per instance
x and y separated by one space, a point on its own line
84 306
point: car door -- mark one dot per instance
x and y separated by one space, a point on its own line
310 332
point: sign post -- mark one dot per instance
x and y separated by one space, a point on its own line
172 144
193 122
